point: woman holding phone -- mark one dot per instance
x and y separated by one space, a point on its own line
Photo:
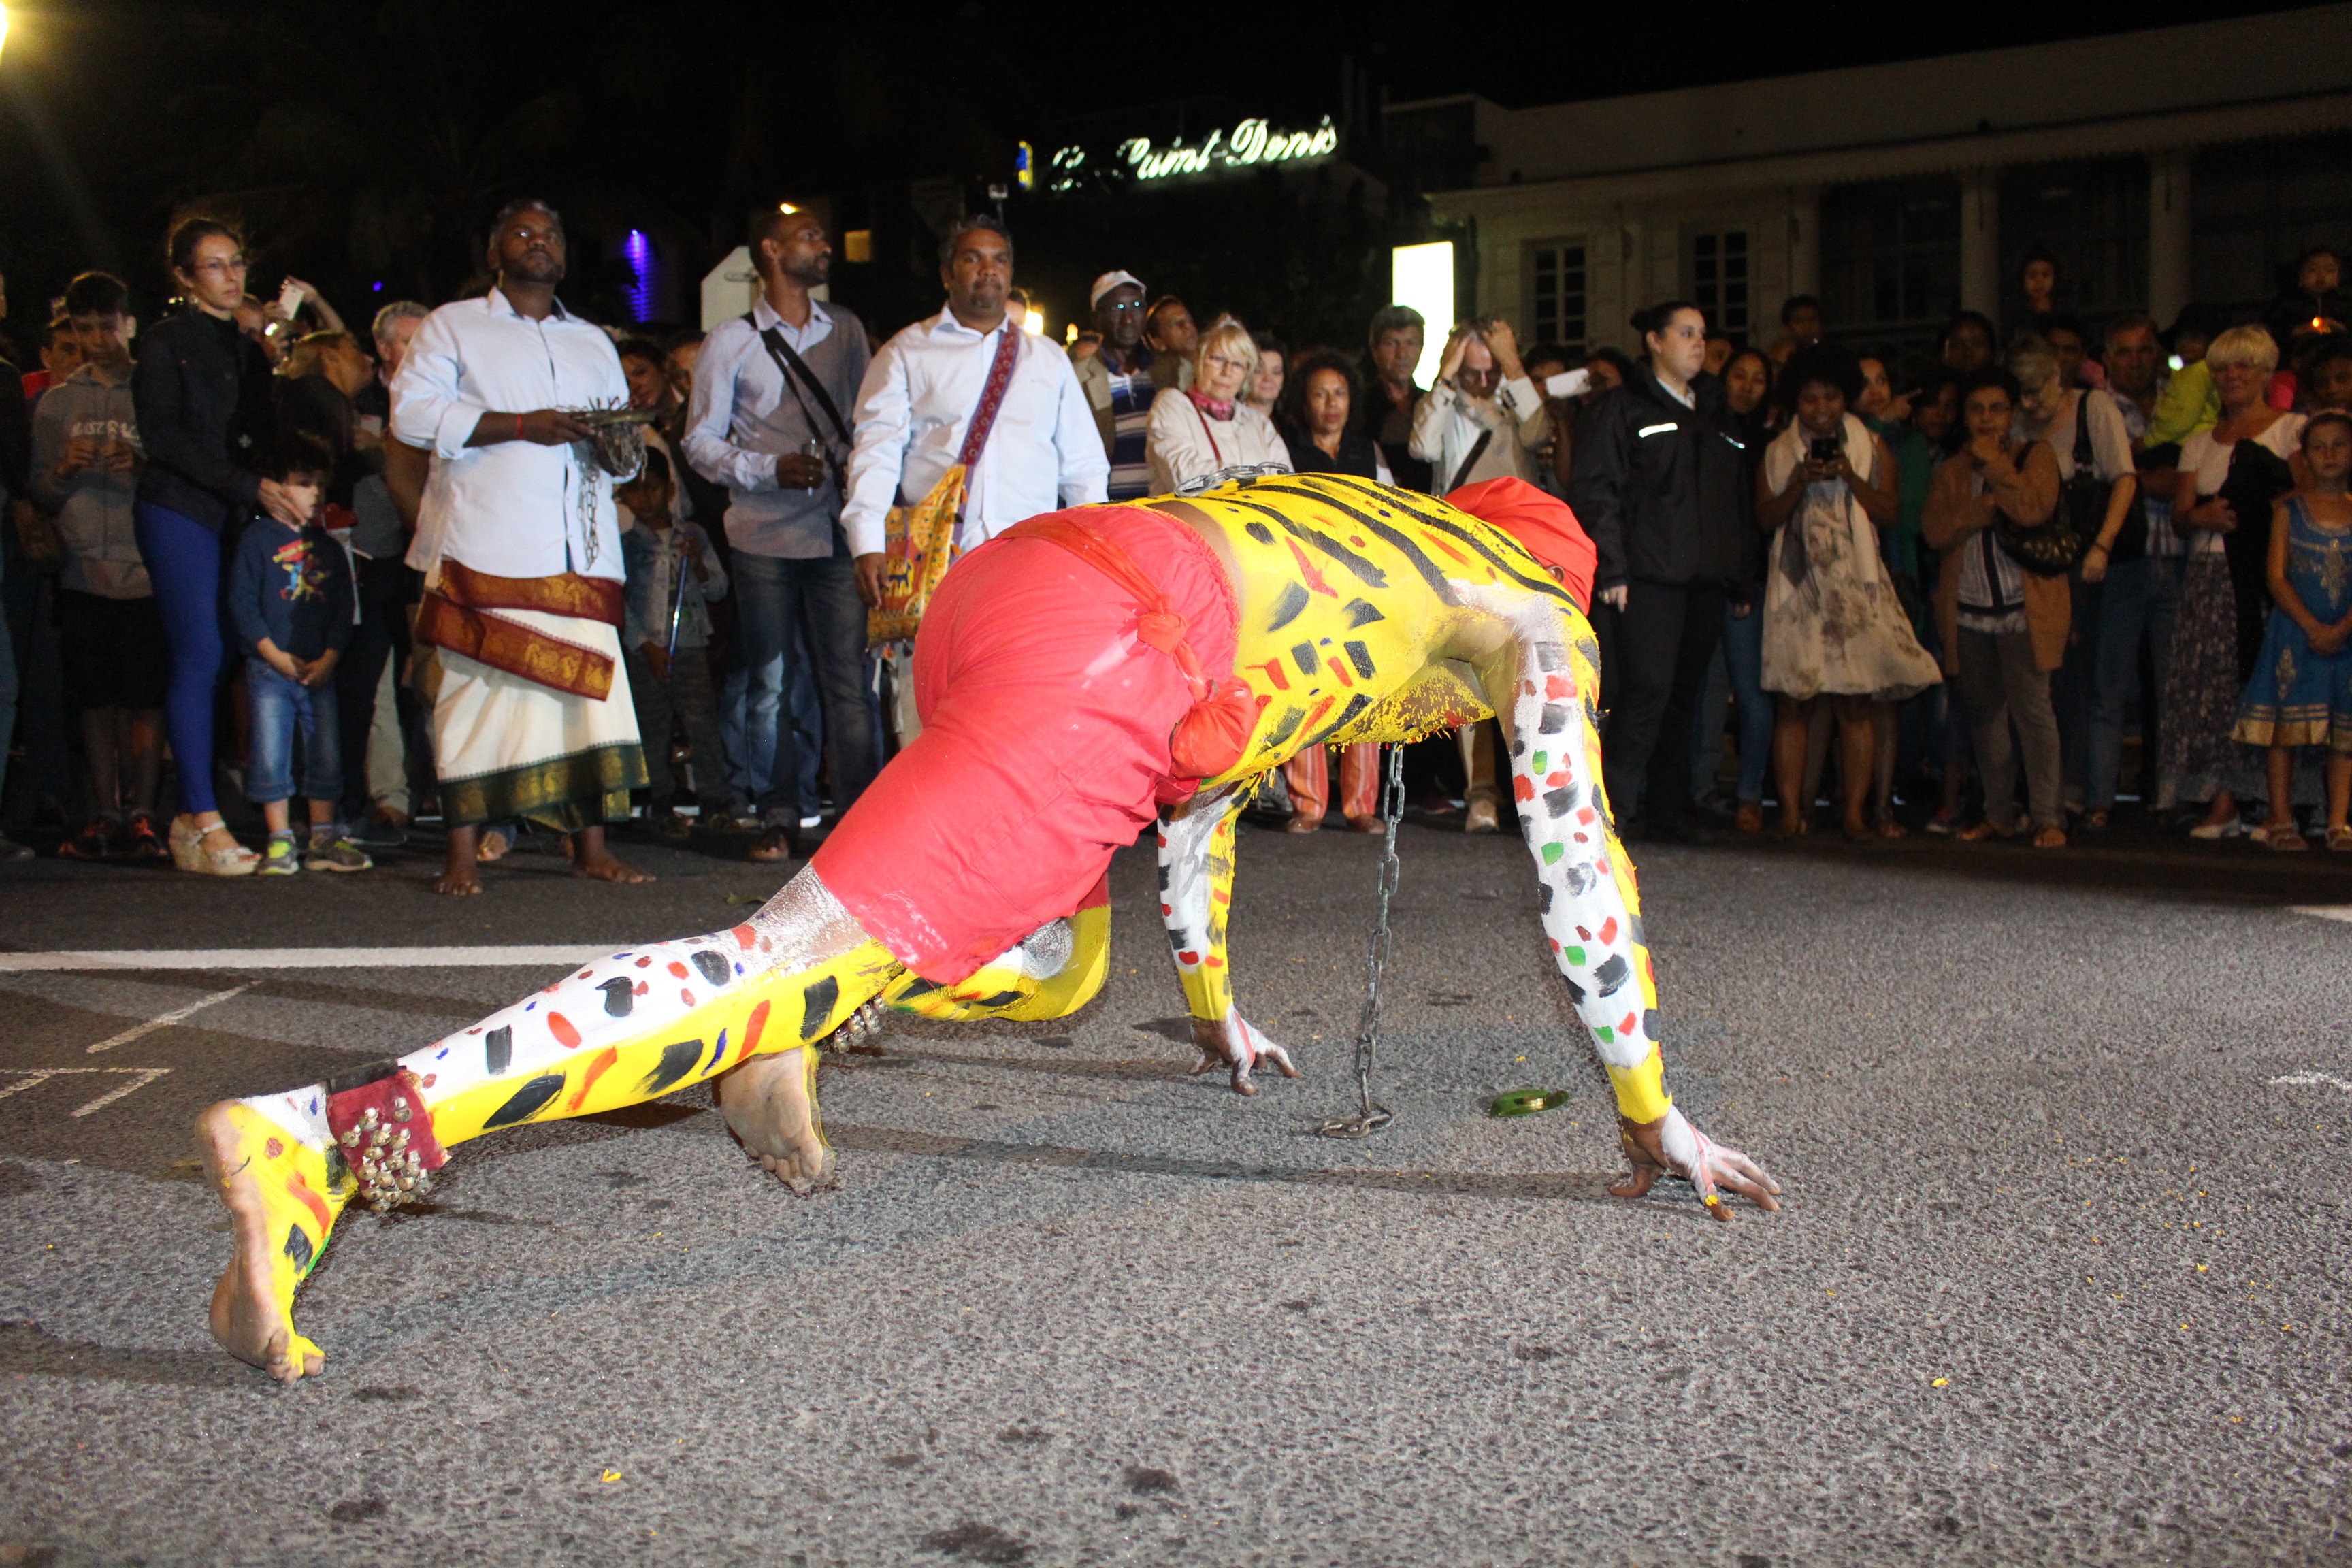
202 391
1834 627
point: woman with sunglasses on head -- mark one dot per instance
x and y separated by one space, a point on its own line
202 391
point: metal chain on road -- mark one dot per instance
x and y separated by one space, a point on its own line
1371 1116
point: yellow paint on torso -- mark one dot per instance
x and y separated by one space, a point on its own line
1345 594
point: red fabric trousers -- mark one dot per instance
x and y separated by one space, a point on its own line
1044 743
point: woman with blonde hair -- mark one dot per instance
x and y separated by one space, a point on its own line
1199 429
2230 476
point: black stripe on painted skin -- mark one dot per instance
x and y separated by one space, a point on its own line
620 996
1304 656
298 1247
1361 613
1363 571
1291 718
678 1059
1543 897
1289 606
1612 974
1356 705
1258 531
1176 943
498 1048
1394 538
714 966
1540 582
1554 720
1561 800
363 1075
817 1003
1581 879
1361 658
525 1101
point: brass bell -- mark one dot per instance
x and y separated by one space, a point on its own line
400 1111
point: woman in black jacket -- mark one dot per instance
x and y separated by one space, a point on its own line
200 389
1660 481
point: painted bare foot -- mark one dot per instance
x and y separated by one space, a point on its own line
769 1103
281 1210
1671 1146
1235 1042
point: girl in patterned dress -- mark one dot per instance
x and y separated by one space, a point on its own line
2301 692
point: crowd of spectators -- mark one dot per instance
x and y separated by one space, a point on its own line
1960 583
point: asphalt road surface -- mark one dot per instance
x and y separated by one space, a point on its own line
2060 1278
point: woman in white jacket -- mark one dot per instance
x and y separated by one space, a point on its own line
1206 427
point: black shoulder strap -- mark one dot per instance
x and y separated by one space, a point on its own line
2084 461
796 374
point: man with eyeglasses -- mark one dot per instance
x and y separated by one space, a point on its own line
1118 381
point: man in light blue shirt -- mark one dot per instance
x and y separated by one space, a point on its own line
768 419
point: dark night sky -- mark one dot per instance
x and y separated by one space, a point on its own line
369 138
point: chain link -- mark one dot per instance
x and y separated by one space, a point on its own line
1371 1116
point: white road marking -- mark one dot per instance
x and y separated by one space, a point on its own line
146 1076
29 1078
313 958
2311 1079
165 1020
2324 911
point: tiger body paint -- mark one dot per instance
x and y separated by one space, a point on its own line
1364 613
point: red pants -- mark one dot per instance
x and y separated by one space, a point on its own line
1045 745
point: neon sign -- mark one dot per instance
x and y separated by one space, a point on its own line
1251 144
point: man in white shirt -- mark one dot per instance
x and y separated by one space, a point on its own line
1484 418
780 444
520 547
1043 450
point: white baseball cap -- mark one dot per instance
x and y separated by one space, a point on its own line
1111 280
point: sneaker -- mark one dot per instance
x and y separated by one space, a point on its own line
333 851
375 831
2233 828
1944 823
281 859
101 838
669 825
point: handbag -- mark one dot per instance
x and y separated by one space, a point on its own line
2056 546
919 540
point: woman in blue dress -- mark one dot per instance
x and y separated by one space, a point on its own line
2300 691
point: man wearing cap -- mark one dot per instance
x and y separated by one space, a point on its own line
1118 381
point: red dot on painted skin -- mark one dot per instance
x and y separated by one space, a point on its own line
745 936
643 988
644 961
273 1148
677 970
560 1027
687 994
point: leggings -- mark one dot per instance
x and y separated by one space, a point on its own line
184 560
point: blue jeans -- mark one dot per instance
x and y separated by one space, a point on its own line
775 598
183 561
1743 655
283 709
2141 601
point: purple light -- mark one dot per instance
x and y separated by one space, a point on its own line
639 252
376 286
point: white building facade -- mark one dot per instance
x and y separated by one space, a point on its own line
2158 167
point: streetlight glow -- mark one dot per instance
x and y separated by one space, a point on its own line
3 28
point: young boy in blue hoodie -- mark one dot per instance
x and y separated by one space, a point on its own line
290 595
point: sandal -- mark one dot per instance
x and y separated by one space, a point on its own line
1303 824
144 843
2282 836
776 844
1984 828
2051 836
190 852
492 846
2339 839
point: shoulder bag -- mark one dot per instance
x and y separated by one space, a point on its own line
921 539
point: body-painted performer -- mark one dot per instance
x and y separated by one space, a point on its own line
1079 675
520 544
